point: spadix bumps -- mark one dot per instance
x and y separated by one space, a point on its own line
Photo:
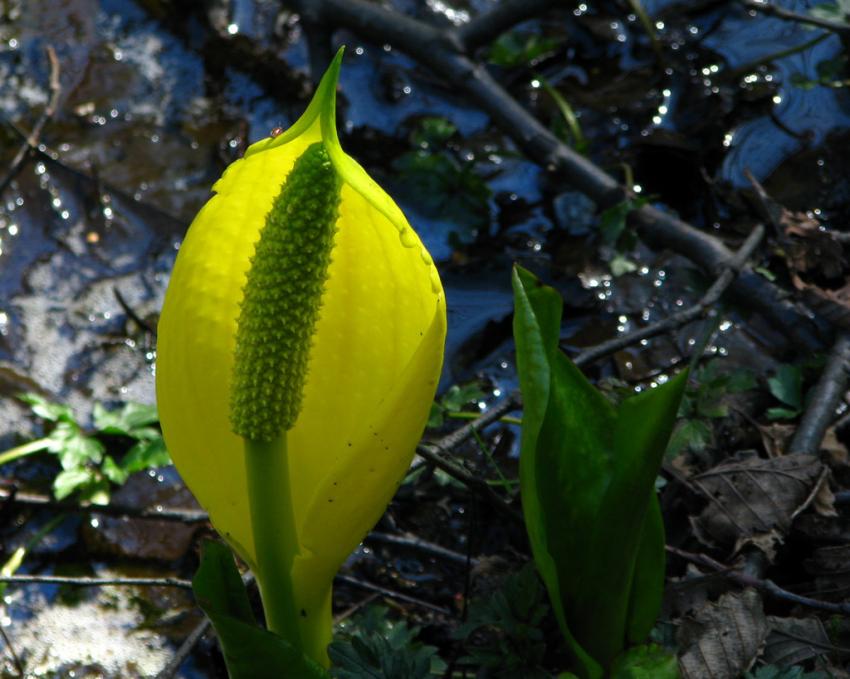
357 302
281 299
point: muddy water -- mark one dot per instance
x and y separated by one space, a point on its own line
148 118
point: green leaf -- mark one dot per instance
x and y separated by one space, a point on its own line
781 414
515 610
373 645
688 435
646 662
113 472
74 448
787 385
146 454
588 471
250 652
519 48
46 410
128 421
612 222
71 480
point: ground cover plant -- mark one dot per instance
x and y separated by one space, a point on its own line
673 176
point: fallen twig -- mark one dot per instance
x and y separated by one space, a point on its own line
781 13
436 452
390 594
34 138
112 509
83 581
698 310
431 47
185 649
823 400
767 586
419 545
503 16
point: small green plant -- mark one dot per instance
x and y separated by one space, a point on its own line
372 644
440 182
453 401
503 632
786 386
705 400
521 48
88 466
587 474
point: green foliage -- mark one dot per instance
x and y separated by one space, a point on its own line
443 184
773 672
587 472
454 400
704 400
649 661
520 48
87 468
612 223
374 645
838 12
250 651
512 615
786 386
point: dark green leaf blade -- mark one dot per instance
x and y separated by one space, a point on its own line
537 320
250 652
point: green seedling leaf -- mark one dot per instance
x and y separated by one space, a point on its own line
69 481
837 12
781 414
646 662
146 454
787 386
132 420
250 652
373 645
689 435
518 48
612 222
52 412
514 612
587 472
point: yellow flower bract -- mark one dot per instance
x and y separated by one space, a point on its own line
373 367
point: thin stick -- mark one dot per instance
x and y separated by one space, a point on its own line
390 594
94 582
788 15
112 509
698 310
185 649
823 400
503 16
414 543
767 586
15 658
432 48
33 140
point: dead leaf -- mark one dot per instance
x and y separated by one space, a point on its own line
776 437
831 568
793 640
754 500
833 305
723 640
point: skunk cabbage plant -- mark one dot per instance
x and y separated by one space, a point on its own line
300 344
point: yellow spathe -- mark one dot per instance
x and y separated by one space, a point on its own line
373 368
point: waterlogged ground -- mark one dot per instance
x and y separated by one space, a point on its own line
154 103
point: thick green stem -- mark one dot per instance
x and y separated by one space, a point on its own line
275 535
